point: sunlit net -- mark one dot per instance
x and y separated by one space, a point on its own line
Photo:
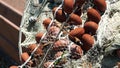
107 35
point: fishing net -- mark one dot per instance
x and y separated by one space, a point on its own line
108 31
107 39
107 36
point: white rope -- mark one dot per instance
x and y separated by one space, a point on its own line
40 40
33 52
69 47
45 35
20 31
54 15
19 46
56 37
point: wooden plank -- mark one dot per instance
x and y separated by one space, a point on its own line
9 40
10 13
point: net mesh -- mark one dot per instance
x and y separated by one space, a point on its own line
107 34
107 39
30 29
108 31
